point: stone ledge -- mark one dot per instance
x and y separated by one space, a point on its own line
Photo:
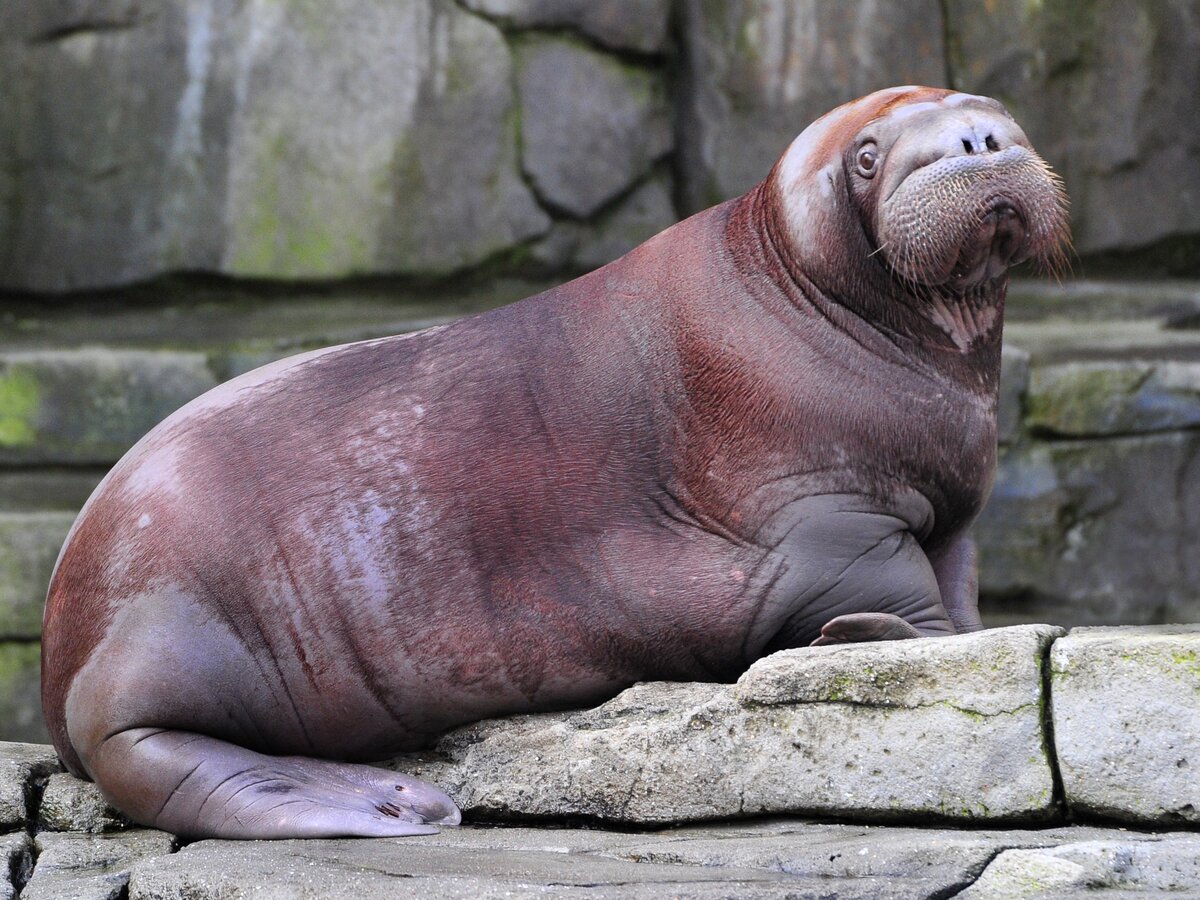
24 769
946 729
90 406
1126 712
828 729
29 544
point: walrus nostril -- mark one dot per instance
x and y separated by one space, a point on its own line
973 144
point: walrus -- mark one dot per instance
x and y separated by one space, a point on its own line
769 426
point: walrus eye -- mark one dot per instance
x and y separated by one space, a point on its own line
867 156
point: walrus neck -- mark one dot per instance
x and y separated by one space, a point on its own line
952 336
759 244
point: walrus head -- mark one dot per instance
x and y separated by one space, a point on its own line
939 190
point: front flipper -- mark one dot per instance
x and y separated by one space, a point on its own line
198 786
846 572
861 628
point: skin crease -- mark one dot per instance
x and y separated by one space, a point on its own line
759 429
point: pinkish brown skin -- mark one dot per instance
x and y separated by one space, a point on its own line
756 430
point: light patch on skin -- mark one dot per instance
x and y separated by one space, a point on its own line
144 520
156 472
963 322
826 181
960 99
795 157
900 113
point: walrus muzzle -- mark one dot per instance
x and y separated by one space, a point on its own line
962 220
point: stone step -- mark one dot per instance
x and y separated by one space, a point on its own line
29 545
87 407
211 319
47 488
1171 303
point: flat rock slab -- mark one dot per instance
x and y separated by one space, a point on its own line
90 406
770 858
1121 866
1126 708
90 867
947 728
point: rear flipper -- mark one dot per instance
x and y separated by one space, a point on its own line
198 786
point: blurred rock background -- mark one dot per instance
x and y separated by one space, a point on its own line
189 188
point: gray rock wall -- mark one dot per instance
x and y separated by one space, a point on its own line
1095 514
291 140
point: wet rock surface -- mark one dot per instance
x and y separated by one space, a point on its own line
640 26
757 73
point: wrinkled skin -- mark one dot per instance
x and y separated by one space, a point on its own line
763 428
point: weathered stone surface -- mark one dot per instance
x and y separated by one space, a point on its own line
1066 340
894 862
1120 867
1088 399
88 161
778 857
640 25
589 245
71 804
21 767
1100 87
388 868
29 544
90 406
267 139
1126 706
847 731
1091 300
222 317
16 862
1014 382
91 867
772 858
20 692
1093 532
456 196
591 125
46 490
756 74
